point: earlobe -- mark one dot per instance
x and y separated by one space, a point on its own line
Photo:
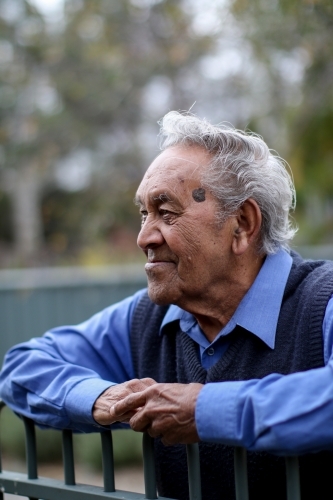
240 241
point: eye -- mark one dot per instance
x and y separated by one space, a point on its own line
144 214
167 215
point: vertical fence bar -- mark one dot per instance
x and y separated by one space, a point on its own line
240 467
108 463
293 480
31 450
68 457
149 467
193 466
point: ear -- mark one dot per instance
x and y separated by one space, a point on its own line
247 226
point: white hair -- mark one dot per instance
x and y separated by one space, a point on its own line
242 167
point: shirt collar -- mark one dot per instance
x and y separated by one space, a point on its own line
259 310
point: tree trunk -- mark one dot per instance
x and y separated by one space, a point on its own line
27 218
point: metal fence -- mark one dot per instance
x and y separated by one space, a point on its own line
32 301
35 300
33 487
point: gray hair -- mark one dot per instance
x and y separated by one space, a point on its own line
242 167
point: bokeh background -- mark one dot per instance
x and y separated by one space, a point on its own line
84 82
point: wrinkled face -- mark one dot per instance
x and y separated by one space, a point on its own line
188 253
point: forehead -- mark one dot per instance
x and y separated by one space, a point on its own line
175 171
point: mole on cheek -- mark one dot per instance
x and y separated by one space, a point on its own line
198 195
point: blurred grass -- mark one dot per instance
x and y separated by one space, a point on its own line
127 445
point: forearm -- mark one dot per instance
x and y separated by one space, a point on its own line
50 391
55 379
281 414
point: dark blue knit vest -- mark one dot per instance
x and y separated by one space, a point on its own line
173 357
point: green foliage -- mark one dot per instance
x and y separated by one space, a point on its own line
87 82
73 220
126 443
79 84
6 224
293 41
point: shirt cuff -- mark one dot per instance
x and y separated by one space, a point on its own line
217 414
81 398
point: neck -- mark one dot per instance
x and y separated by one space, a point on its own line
215 311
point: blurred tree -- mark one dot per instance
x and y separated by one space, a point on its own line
292 40
25 99
79 94
72 103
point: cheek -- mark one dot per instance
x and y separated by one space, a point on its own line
186 239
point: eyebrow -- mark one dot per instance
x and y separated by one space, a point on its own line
160 198
163 198
137 200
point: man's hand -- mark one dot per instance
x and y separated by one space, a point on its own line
115 393
165 410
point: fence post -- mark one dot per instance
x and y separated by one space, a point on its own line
193 466
240 468
293 480
68 457
31 450
149 467
107 459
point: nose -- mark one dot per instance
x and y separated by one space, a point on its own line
150 235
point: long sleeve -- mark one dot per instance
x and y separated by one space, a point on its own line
283 414
55 379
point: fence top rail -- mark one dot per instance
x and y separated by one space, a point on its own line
53 489
34 487
25 279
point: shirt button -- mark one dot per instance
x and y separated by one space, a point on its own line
210 351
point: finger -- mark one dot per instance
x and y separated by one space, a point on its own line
135 385
148 381
140 422
130 403
125 417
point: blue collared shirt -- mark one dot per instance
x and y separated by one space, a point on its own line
258 312
69 367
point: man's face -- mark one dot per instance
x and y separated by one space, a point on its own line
189 253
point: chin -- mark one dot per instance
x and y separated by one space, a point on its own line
160 296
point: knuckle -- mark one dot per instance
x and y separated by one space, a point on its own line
148 381
134 382
129 401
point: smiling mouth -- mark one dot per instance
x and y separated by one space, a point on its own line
152 265
154 261
158 262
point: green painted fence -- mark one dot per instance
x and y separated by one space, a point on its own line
35 300
34 487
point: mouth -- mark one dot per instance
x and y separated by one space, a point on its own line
154 264
156 260
159 261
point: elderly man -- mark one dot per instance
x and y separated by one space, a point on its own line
230 345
